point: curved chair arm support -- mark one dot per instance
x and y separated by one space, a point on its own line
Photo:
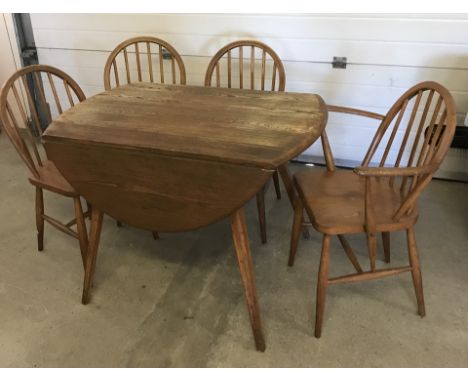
350 110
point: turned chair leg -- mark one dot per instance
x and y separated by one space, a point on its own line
261 214
372 248
322 284
386 245
277 185
416 271
40 218
349 252
296 230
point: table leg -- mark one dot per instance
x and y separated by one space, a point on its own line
93 244
288 184
241 244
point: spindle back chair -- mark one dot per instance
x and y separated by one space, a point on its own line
259 58
142 51
38 94
264 70
381 195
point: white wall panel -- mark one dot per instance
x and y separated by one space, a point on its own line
10 59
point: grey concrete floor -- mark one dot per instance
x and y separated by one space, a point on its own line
178 302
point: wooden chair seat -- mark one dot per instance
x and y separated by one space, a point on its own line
51 179
335 202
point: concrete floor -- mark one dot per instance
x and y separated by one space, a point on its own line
178 301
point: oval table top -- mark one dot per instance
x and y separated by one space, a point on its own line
255 128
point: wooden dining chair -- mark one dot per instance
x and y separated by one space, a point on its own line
29 100
249 64
381 195
145 59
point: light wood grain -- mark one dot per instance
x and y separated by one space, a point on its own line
261 129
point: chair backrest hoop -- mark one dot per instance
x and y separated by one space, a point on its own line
445 136
135 41
278 64
29 111
434 118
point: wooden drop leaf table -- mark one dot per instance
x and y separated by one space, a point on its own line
170 158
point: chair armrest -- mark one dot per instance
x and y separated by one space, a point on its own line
395 171
349 110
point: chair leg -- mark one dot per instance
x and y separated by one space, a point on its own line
416 271
288 185
349 252
322 284
94 236
277 185
386 245
296 230
81 228
261 214
372 247
89 208
40 218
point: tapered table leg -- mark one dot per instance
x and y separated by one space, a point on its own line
288 184
241 244
93 245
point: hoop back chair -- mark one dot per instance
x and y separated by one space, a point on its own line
145 50
55 91
259 69
381 195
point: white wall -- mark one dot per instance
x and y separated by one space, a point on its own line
386 55
10 60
